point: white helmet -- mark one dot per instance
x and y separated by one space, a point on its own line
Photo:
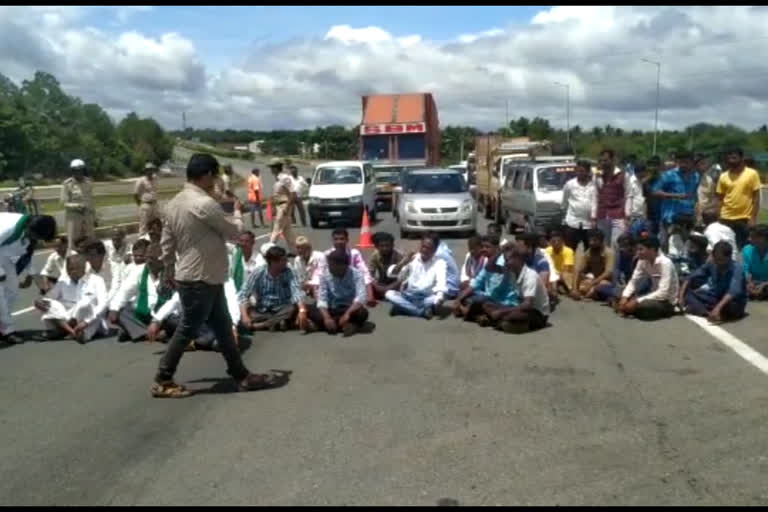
76 163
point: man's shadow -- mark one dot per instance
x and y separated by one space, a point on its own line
226 385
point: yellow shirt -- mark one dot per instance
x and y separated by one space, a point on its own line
561 259
738 194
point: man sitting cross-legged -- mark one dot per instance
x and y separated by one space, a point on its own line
341 296
657 268
717 290
755 259
75 306
426 285
385 264
532 310
489 285
276 294
593 268
141 294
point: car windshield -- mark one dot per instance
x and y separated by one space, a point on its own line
554 178
435 184
338 176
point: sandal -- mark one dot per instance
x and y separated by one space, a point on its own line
259 381
169 389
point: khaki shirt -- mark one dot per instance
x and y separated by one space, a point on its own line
195 233
146 189
76 195
283 187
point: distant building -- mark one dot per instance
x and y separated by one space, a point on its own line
255 147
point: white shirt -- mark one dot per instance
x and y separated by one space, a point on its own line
10 254
250 265
89 290
55 266
128 293
111 279
717 232
637 208
664 282
530 285
173 305
429 276
305 271
471 266
577 203
117 257
300 186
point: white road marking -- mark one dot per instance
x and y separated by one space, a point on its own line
22 311
746 352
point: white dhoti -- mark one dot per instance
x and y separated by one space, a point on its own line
81 313
9 291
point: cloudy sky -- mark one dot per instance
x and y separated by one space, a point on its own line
294 67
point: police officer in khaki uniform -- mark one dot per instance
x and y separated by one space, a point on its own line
283 199
145 194
77 198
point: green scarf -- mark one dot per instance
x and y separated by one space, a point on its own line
142 311
18 230
237 268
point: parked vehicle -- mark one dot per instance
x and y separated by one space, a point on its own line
340 191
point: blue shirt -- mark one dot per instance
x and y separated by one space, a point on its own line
653 203
717 284
538 262
499 288
340 292
675 182
623 268
452 272
754 265
271 293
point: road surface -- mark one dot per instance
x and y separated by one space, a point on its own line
592 410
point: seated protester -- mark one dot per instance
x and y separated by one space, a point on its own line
154 231
55 265
490 285
341 296
538 261
75 306
661 298
624 266
554 275
340 241
451 268
275 294
243 259
679 231
474 261
755 261
532 311
118 250
98 264
141 293
696 254
716 231
383 262
425 288
494 230
718 289
594 268
306 263
562 260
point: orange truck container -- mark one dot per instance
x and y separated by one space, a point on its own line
398 132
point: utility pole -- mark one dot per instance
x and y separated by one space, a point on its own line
506 126
658 86
183 121
567 112
461 148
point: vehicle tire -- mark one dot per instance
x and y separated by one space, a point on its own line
314 222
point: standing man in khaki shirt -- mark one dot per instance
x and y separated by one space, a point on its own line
145 194
194 248
77 198
283 198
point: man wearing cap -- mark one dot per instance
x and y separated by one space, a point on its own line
283 198
145 195
77 198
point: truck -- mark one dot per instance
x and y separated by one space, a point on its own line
494 153
398 132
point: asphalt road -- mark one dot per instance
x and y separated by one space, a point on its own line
592 410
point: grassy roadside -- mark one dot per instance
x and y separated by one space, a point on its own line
53 205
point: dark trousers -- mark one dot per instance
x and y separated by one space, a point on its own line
137 329
741 228
271 318
298 206
256 208
573 236
528 319
202 303
358 318
701 303
474 303
654 310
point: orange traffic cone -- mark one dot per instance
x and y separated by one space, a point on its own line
365 233
269 210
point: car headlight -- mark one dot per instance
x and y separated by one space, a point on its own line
410 207
355 199
466 206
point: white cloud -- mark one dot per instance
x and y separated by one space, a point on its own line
712 69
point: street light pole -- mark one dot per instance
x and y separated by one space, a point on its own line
567 111
658 85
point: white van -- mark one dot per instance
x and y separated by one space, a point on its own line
532 191
340 191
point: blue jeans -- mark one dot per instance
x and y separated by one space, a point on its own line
411 303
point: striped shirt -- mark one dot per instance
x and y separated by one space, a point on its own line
337 293
271 293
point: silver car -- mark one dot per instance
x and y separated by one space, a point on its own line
435 200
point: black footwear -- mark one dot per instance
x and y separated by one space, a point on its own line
349 330
123 336
429 313
513 327
12 339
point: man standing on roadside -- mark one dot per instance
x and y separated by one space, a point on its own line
195 256
77 198
678 192
612 206
283 198
145 195
739 192
254 196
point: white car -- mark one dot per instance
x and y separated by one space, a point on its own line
341 191
435 200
